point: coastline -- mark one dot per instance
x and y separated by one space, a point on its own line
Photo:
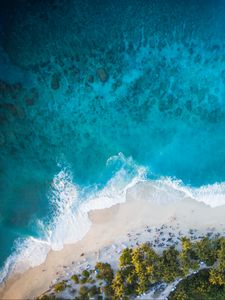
114 228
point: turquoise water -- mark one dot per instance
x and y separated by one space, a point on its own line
81 82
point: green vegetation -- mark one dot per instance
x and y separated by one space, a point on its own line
206 250
188 258
83 291
140 268
75 278
84 280
104 272
197 287
60 286
126 258
170 265
93 291
217 275
85 273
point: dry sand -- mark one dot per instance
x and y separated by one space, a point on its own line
122 224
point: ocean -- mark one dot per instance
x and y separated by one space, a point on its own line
96 96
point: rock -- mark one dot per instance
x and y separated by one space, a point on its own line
55 82
102 74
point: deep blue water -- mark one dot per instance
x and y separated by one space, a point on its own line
81 81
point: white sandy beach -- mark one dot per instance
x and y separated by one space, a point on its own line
141 218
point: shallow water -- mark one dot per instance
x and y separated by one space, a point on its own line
96 95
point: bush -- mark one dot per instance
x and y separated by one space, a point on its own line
75 278
196 287
119 285
104 272
145 262
126 258
217 276
142 266
84 280
60 286
206 251
85 274
93 291
170 265
83 291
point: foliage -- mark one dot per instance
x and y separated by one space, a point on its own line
104 272
217 275
85 273
206 251
108 290
125 281
141 267
83 280
93 291
145 262
119 286
197 287
75 278
188 257
170 265
125 258
60 286
84 291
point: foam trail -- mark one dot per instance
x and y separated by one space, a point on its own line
70 220
212 195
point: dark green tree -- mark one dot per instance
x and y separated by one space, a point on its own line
104 272
170 265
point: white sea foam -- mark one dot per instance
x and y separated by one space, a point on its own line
212 195
70 220
169 189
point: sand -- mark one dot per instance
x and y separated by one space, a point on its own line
126 224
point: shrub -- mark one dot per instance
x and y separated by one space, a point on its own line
118 285
83 280
104 272
188 256
93 291
169 264
75 278
85 273
197 287
83 291
145 262
126 257
217 276
60 286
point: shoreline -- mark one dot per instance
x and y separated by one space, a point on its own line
141 218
